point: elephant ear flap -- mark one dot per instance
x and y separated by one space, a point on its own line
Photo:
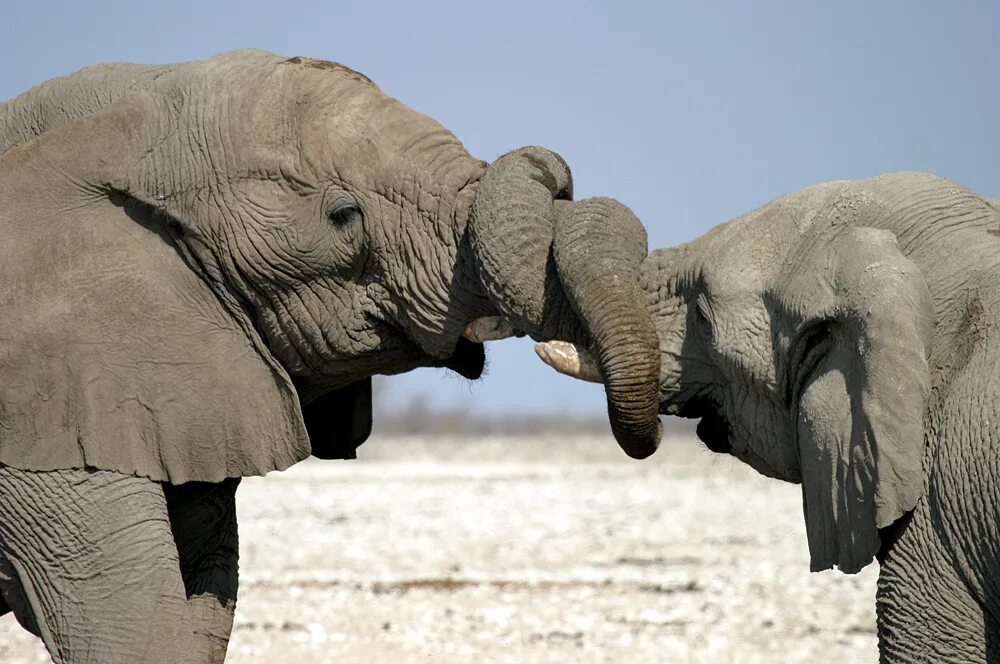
114 353
339 422
860 411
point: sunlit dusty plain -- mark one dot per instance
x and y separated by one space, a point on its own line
530 550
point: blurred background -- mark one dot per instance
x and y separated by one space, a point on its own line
547 544
691 113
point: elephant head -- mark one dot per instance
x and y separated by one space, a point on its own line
209 261
800 335
578 262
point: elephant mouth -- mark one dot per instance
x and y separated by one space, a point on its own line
713 429
469 357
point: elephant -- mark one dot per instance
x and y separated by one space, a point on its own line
844 337
202 266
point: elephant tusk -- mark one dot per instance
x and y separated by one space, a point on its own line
489 328
567 358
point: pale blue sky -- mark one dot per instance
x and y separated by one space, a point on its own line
691 113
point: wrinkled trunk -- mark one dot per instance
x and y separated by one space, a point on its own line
569 271
599 246
511 228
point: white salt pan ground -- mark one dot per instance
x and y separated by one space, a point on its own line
533 550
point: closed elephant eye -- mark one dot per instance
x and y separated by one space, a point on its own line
346 237
703 314
812 347
344 214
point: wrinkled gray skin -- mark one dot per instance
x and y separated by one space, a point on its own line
845 337
202 266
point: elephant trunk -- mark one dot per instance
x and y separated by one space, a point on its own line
511 230
569 271
599 246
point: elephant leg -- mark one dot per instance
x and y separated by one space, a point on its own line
203 521
88 563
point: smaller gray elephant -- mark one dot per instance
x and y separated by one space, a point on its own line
847 337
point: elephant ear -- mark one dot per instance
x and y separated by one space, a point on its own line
862 398
340 421
114 353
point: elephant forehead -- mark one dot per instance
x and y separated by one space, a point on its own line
735 263
314 120
761 242
368 138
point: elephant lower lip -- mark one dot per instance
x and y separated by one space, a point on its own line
468 360
713 430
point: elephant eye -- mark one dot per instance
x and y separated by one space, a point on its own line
344 214
703 313
812 347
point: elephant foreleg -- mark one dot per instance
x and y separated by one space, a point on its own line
203 520
89 559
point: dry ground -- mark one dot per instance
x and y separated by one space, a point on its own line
533 550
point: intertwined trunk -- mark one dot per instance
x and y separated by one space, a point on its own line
563 270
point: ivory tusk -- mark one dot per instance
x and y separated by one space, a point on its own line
489 328
566 358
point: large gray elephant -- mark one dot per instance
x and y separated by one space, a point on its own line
202 265
845 337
